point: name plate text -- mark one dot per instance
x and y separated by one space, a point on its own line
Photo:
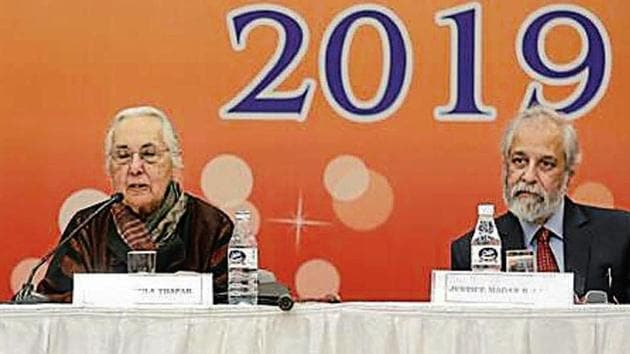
129 290
540 289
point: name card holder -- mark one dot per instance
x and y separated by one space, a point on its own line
539 289
142 290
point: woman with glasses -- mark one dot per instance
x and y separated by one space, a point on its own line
144 162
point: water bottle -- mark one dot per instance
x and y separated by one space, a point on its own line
243 262
485 245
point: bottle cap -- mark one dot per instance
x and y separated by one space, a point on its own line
485 209
242 215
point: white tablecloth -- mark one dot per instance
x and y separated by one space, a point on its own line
316 328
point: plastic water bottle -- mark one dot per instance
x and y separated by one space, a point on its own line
243 262
485 245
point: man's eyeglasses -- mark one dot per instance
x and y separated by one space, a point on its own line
149 154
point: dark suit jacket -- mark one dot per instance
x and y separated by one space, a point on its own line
595 240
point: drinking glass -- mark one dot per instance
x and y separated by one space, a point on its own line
520 261
141 261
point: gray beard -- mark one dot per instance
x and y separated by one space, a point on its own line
533 209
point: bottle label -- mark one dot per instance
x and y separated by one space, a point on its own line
243 258
488 255
486 227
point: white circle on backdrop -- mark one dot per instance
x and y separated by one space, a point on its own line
594 193
227 180
346 178
77 201
370 210
317 278
22 270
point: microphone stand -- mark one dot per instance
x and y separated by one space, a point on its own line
27 294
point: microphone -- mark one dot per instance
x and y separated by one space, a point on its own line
275 294
270 292
596 297
27 295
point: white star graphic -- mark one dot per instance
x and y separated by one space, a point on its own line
299 221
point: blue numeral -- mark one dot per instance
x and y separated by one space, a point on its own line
260 100
396 71
590 70
465 102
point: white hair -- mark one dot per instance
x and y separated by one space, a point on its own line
168 132
570 143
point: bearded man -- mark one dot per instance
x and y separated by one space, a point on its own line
541 152
144 162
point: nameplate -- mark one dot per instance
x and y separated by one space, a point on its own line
539 289
129 290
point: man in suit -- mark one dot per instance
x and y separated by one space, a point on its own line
541 152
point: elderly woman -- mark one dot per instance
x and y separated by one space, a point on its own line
144 162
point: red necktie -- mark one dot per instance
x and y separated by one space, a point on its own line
545 260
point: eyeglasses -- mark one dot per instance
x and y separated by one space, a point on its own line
149 154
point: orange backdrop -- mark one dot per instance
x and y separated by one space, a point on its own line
366 209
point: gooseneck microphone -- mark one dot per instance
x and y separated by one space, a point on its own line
27 295
270 292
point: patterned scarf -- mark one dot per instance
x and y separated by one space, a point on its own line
158 228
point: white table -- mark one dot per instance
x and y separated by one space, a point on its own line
316 328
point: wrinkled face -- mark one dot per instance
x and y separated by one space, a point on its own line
140 166
535 174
